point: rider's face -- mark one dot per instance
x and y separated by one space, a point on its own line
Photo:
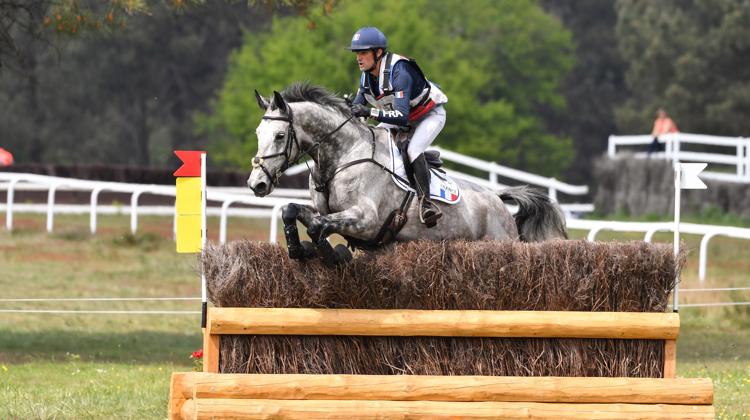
365 60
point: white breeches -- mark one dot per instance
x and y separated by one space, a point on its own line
426 131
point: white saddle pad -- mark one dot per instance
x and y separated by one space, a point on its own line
442 187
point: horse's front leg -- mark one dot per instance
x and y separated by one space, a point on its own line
290 214
351 222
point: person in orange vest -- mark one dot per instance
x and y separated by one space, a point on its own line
662 125
6 158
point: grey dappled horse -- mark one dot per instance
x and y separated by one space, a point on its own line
352 190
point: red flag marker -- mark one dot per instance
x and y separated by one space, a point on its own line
6 158
191 162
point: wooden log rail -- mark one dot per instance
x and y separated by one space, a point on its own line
440 323
203 395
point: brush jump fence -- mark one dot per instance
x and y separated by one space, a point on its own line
560 329
213 395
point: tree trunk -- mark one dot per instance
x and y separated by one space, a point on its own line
36 149
142 134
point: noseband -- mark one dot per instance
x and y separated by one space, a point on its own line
291 139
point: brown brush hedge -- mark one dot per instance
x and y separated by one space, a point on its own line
549 276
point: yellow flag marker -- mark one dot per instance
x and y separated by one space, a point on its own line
189 202
188 205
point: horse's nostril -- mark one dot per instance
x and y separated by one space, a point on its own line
259 188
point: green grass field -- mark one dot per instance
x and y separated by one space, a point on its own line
118 366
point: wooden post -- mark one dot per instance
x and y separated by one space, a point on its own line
181 389
670 358
210 346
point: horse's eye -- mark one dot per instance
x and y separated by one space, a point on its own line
279 136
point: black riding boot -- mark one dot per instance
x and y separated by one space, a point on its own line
429 213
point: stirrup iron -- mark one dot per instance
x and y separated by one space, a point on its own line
431 219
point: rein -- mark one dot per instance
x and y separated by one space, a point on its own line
323 187
291 140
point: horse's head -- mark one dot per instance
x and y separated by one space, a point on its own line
319 123
278 146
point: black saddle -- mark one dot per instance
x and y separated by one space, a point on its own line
433 158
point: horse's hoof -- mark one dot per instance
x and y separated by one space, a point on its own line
326 253
295 252
304 251
308 250
343 254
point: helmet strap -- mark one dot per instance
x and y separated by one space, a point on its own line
376 59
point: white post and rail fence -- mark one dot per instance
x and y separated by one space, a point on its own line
270 207
731 155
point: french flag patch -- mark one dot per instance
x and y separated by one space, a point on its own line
450 196
400 94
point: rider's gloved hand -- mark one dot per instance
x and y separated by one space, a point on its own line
359 110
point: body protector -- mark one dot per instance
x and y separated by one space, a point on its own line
421 104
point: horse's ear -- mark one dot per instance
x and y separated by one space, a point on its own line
280 103
262 103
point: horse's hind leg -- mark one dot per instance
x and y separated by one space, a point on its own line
290 214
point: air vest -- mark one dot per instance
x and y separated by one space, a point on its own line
430 96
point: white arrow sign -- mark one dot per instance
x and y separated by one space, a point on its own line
689 179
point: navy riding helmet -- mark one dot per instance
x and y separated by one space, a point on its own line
368 38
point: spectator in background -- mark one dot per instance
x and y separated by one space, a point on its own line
662 125
6 159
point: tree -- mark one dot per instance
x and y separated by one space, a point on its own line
122 78
24 21
595 85
690 57
497 61
124 97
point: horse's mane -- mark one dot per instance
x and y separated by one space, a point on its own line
307 92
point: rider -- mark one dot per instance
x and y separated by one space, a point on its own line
401 97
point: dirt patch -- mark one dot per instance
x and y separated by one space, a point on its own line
50 256
27 224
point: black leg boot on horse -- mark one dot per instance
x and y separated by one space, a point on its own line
429 213
297 250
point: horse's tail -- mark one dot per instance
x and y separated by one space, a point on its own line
538 218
